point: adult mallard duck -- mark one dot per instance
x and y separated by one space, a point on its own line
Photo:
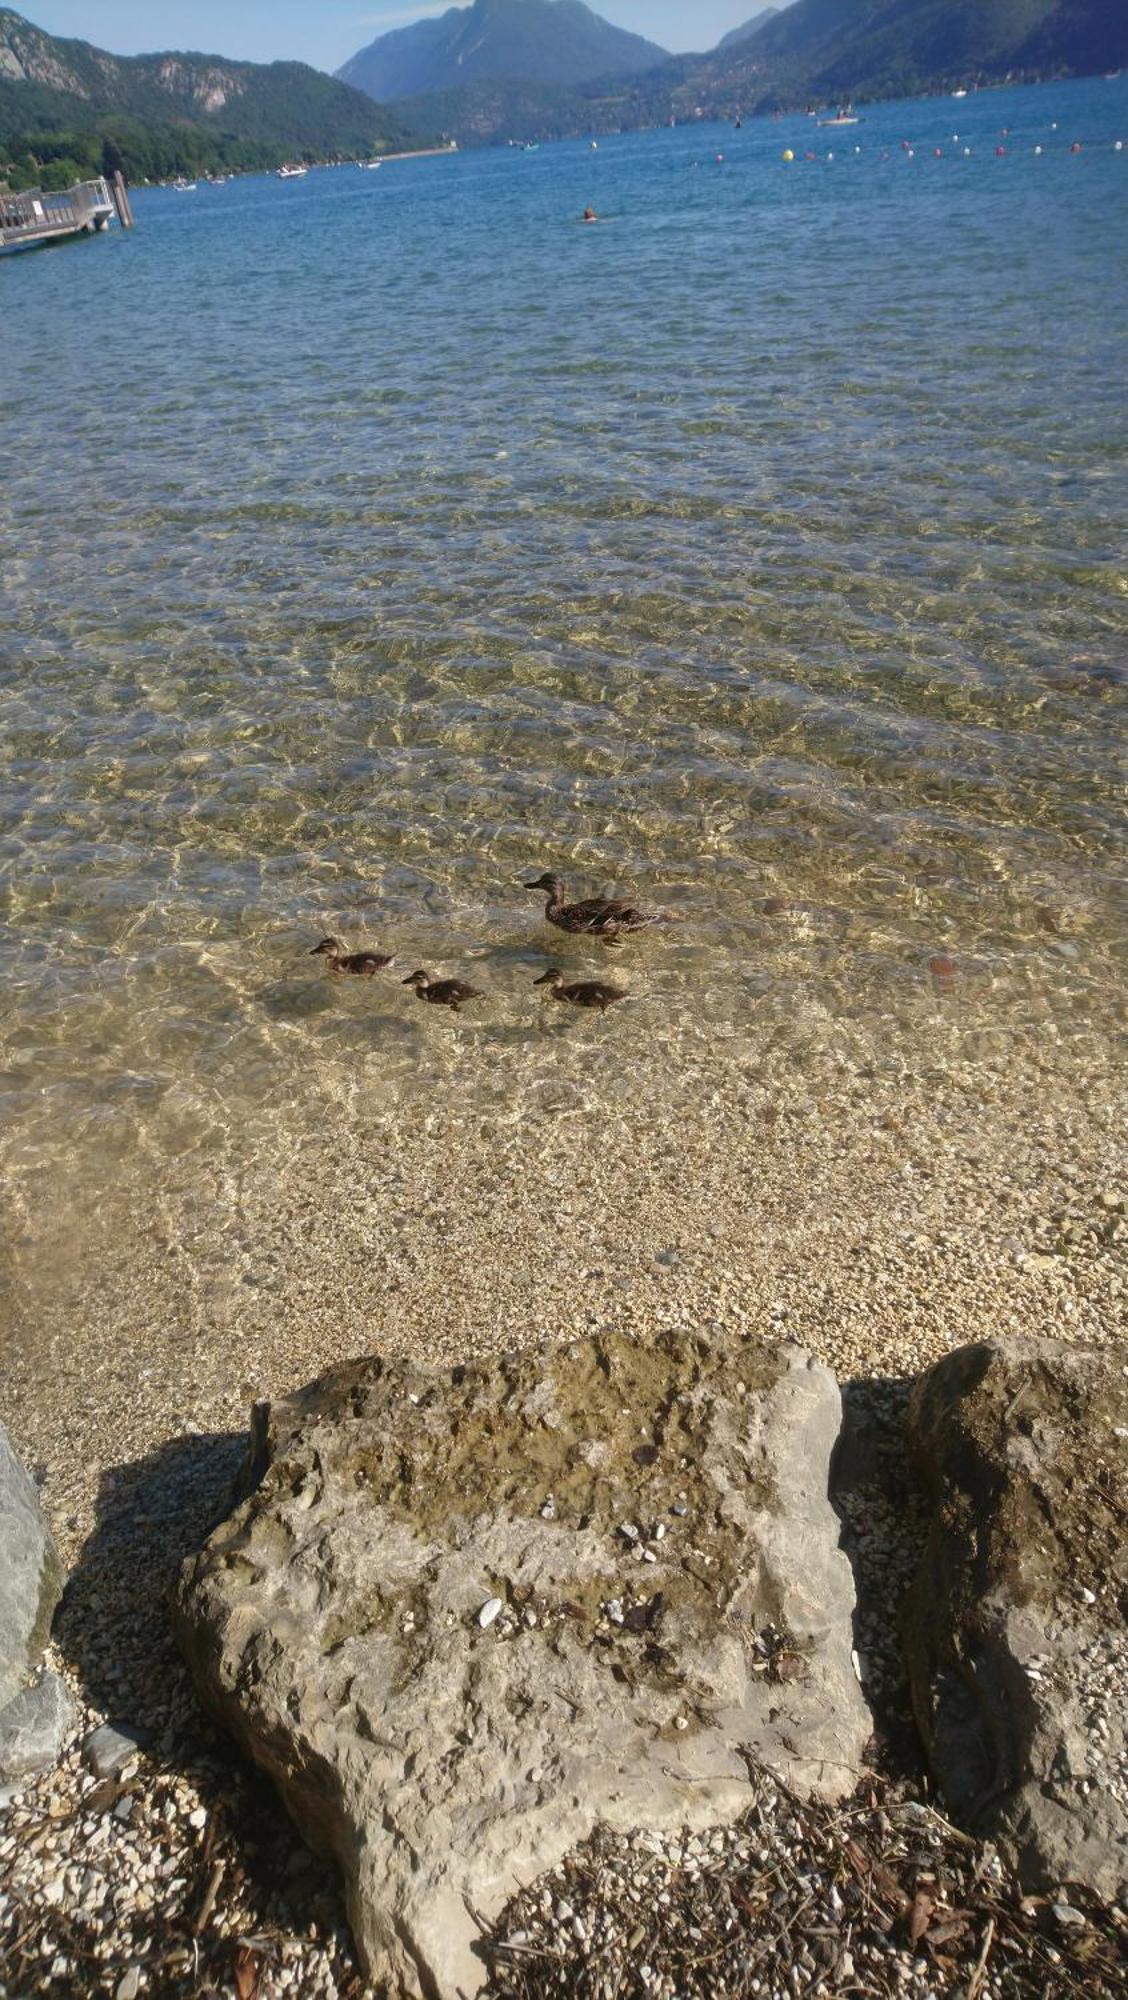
452 993
580 992
598 916
363 962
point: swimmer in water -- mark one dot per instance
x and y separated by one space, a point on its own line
590 215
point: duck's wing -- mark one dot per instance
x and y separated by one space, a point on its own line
599 913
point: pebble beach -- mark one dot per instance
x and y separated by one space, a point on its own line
876 1224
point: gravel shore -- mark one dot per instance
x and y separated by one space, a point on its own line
878 1219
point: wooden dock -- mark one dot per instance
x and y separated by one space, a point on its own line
35 217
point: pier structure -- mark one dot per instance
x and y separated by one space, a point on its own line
35 217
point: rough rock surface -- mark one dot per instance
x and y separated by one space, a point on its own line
30 1574
34 1726
655 1522
1016 1623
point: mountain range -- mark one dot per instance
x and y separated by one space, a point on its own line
68 109
886 48
554 42
498 69
822 51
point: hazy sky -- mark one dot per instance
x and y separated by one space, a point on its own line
325 32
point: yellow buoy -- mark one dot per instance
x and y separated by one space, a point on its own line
788 154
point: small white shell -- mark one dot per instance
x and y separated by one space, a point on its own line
489 1611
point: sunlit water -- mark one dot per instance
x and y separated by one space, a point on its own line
374 541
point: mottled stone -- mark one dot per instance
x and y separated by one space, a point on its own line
1016 1624
333 1621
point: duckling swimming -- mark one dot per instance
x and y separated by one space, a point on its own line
598 916
452 993
363 962
581 992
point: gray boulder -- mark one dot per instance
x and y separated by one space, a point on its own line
463 1616
34 1727
1016 1624
30 1574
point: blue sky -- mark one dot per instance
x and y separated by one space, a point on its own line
325 32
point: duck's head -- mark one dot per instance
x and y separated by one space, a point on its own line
328 948
551 883
420 980
553 977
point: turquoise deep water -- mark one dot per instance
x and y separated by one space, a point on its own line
371 542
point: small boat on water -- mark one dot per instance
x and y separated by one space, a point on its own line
185 187
369 166
289 173
840 118
959 93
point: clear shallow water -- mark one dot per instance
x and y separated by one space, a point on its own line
372 541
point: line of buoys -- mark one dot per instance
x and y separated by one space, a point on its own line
1077 146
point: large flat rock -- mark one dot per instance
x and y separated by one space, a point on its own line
30 1574
462 1617
1017 1624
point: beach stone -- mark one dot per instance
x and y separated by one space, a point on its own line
332 1622
109 1748
34 1727
31 1575
1016 1621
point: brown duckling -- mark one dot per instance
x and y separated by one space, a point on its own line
598 916
452 993
581 992
363 962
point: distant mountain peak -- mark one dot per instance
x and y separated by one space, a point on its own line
556 42
809 51
748 28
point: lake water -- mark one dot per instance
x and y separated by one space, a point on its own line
374 541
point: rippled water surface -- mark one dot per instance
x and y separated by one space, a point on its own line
373 541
